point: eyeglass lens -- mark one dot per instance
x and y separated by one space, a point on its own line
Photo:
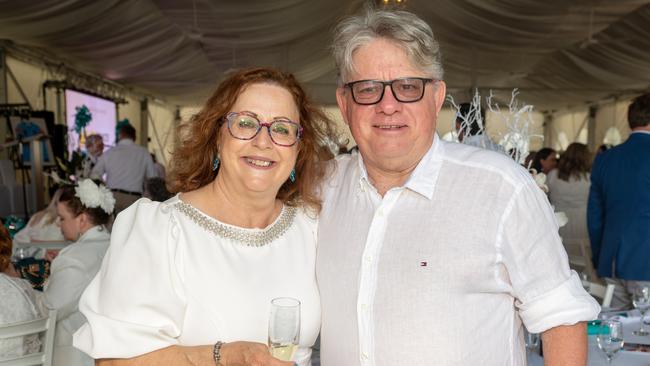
372 91
245 127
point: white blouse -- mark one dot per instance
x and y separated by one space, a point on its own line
171 277
19 303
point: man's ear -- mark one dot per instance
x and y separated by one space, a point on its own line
342 101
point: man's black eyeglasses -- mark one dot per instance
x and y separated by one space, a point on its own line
405 90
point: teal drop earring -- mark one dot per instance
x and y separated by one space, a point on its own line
292 176
215 164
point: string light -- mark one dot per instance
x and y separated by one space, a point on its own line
392 3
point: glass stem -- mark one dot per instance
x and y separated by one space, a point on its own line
642 329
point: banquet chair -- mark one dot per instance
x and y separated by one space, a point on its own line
43 325
603 292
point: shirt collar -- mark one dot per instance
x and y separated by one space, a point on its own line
125 141
644 132
424 176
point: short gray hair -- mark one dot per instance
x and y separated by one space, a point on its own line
404 28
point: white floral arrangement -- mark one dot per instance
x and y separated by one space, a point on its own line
517 119
93 195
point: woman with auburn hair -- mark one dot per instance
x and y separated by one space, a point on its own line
569 190
190 281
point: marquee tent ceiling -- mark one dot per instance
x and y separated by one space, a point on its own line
559 53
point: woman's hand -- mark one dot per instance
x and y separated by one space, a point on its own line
249 354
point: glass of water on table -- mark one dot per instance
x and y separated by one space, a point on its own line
284 327
610 338
641 301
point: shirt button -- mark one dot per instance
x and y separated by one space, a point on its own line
368 259
380 213
364 307
364 356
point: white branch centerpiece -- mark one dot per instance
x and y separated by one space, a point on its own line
517 118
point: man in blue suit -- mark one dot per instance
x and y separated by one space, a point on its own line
618 214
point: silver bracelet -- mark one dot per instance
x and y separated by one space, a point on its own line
216 352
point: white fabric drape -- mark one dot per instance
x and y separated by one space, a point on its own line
556 52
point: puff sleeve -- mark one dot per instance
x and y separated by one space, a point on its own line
136 303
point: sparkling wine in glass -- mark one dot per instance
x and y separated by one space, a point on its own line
284 327
641 301
610 338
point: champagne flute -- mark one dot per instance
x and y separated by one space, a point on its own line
284 327
610 338
641 301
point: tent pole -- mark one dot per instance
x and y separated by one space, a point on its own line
4 97
144 123
591 128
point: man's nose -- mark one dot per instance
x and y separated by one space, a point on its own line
388 103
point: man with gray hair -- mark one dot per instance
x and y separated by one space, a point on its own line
432 253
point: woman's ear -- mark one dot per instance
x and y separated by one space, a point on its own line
85 222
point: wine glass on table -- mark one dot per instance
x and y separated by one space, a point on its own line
610 338
641 301
284 327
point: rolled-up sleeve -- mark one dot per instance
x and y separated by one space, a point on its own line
547 292
136 303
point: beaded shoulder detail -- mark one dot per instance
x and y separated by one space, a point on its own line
248 237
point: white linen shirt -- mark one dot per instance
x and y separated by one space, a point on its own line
444 269
126 166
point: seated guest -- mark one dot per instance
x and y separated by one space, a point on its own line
190 281
569 190
18 303
32 262
42 226
544 161
83 211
